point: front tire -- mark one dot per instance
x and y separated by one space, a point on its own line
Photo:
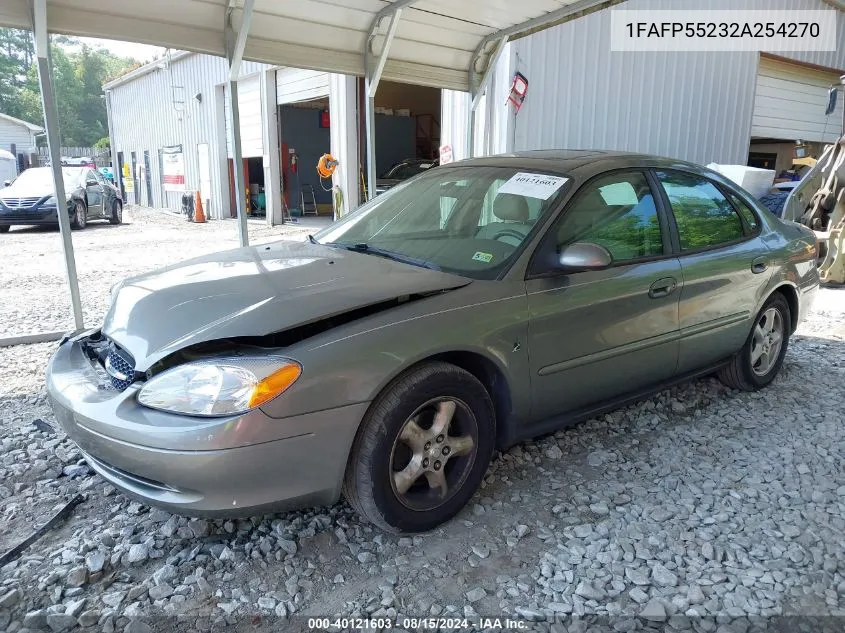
422 449
116 213
80 216
761 358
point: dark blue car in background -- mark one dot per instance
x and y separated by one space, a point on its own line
30 198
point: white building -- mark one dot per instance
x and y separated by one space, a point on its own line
18 137
725 107
288 119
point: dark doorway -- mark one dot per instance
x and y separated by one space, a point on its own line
761 160
118 176
147 173
136 195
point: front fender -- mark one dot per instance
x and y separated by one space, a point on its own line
355 362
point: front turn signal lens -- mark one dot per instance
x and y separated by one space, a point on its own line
274 384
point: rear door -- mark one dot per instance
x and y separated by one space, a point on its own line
595 335
724 262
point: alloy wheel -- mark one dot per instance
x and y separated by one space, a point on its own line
433 453
767 341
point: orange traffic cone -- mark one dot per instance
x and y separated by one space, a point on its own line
199 214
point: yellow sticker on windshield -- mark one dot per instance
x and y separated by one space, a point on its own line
483 257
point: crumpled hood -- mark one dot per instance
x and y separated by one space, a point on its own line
254 291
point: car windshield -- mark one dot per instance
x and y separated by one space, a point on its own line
42 177
467 220
403 171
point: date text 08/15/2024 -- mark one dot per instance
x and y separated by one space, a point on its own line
434 623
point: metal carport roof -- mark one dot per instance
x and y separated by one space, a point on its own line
440 43
434 44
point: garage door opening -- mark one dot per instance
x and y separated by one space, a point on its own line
304 131
407 124
789 121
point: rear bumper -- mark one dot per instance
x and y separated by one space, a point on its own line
237 466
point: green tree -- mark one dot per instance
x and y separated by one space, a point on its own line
79 73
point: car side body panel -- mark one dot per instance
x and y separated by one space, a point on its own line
354 362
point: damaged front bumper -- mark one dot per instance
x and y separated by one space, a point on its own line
231 466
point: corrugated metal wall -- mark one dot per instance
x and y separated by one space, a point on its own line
159 109
829 59
695 106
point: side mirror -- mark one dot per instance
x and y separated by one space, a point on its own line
585 256
831 100
7 183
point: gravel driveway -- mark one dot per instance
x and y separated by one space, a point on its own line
696 503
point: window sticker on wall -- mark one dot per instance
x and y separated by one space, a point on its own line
539 186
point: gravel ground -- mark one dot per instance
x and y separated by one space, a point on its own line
700 508
35 293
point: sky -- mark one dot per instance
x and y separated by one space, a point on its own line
140 52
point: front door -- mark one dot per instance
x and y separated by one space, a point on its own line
719 249
595 335
94 194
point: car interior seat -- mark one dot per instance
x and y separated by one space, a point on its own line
513 218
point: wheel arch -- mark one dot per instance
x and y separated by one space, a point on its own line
790 293
484 369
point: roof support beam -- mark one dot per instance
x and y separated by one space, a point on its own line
235 43
373 69
51 124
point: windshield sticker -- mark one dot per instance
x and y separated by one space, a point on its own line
483 257
533 185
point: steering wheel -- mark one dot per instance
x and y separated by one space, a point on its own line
509 233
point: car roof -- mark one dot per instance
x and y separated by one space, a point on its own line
583 163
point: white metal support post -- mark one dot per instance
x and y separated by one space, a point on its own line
373 68
478 85
51 124
235 42
118 180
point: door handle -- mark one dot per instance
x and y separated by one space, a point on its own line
662 287
759 265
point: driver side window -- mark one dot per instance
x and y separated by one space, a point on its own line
616 211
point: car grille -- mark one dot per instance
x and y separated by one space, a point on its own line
120 367
20 203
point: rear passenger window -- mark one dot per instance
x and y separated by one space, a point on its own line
616 211
745 211
705 218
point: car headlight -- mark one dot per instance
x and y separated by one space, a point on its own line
220 386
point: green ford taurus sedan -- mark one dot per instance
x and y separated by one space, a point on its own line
468 308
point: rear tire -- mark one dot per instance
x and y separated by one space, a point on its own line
421 450
4 228
116 213
80 216
761 358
